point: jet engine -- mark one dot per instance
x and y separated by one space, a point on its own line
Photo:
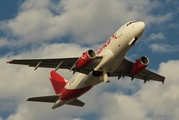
139 65
86 58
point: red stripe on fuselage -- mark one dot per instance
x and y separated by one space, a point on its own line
67 94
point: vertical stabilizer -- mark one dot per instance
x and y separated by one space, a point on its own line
58 82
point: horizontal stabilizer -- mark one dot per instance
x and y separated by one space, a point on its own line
76 102
50 99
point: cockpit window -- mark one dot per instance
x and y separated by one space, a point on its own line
131 22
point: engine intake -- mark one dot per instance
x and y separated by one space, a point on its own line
139 65
144 60
86 58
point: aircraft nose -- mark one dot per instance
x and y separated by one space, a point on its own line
141 25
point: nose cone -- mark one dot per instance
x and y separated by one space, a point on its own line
141 27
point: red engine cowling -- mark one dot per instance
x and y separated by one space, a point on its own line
86 58
139 65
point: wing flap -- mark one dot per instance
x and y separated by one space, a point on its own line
50 99
76 102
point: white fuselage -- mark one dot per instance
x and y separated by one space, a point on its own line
112 52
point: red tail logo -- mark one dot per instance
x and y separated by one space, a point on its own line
58 82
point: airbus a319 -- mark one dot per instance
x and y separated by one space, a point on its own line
93 67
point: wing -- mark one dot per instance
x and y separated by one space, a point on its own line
57 63
146 75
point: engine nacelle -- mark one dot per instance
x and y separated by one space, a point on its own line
86 58
139 65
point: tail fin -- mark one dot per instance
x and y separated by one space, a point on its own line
58 82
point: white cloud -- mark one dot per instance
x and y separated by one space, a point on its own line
163 48
3 42
87 22
17 83
78 119
156 36
123 107
1 118
108 101
161 100
170 69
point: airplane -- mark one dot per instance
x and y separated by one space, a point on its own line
93 67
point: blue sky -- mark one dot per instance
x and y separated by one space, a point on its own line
9 9
52 28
